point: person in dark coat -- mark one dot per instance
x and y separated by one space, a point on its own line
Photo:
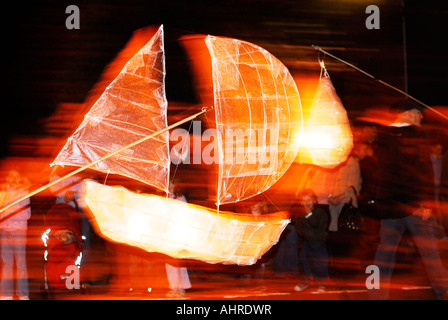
404 199
311 224
443 196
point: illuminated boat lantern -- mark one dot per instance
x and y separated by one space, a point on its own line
179 229
253 92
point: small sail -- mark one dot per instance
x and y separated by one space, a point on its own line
327 138
258 117
133 106
179 229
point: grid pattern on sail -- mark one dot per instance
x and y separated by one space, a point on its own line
258 116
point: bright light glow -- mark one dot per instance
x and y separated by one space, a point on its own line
317 137
78 260
327 139
179 229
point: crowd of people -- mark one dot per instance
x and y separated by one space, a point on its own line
395 178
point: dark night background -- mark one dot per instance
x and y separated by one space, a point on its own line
45 64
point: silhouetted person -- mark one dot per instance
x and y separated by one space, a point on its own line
311 224
405 197
13 231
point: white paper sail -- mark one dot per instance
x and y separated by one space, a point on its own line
133 106
182 230
258 117
327 136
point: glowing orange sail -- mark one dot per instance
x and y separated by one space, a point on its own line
327 138
179 229
258 117
133 106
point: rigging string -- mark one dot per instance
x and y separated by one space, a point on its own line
178 162
323 69
378 80
107 176
271 201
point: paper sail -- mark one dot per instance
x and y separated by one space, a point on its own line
258 117
327 139
133 106
179 229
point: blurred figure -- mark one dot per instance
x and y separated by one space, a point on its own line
334 188
444 192
136 269
405 199
69 187
258 271
178 278
436 160
13 230
346 187
285 252
63 243
256 274
68 192
365 250
259 208
311 225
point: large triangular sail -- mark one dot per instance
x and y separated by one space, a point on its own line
133 106
258 117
